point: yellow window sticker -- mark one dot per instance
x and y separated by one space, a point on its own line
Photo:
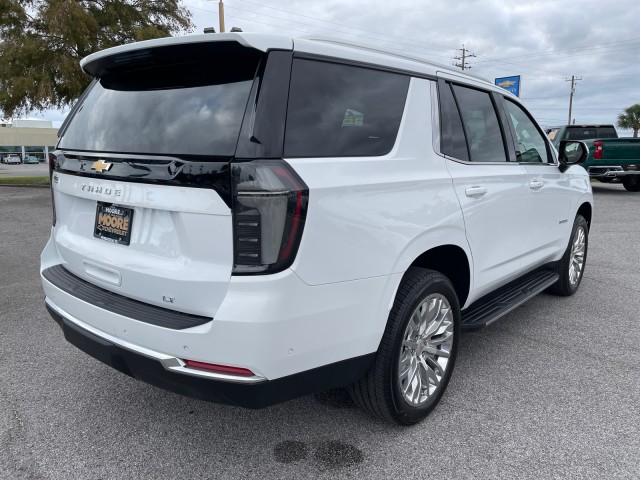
353 118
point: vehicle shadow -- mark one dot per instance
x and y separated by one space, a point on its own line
609 189
322 433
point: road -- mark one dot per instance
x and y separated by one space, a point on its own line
550 391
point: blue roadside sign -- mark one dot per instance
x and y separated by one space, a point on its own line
512 84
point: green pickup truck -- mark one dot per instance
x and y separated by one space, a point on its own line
611 159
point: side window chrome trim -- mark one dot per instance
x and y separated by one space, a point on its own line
464 162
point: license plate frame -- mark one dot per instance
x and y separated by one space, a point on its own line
113 223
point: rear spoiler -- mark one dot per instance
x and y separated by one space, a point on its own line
123 57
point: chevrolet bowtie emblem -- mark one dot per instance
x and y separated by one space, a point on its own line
101 166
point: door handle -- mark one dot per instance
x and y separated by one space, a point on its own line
536 184
475 191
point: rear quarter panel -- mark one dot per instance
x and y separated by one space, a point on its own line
374 216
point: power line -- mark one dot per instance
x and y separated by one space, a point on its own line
488 64
270 24
441 47
542 98
333 30
312 26
581 109
580 48
532 76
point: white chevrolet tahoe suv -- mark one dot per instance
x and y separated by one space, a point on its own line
248 218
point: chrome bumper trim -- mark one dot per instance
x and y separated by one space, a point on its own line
171 364
612 172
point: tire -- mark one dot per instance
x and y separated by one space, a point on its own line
632 183
568 283
400 397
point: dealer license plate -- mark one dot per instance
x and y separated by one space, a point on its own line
113 223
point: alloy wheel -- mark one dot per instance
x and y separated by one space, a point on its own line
426 349
576 262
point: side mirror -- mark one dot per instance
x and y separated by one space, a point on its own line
572 153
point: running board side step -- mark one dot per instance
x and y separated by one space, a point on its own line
491 307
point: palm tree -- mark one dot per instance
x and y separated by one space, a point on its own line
630 119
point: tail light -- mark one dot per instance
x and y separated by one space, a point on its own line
269 211
599 147
52 168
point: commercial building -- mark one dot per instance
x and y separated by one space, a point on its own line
27 137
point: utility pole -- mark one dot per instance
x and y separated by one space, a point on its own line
221 15
463 58
573 81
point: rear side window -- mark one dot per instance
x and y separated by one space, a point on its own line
453 140
341 110
481 125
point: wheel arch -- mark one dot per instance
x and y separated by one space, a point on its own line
586 210
453 262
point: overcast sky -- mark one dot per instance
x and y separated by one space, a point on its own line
544 41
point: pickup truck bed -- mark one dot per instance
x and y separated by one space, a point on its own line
610 159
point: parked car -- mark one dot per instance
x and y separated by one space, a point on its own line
313 215
611 159
12 159
30 159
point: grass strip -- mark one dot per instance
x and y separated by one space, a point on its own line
44 180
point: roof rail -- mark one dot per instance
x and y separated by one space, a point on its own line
389 52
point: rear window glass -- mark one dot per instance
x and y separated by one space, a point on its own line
188 111
341 110
586 133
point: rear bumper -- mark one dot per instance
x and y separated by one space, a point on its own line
610 171
170 373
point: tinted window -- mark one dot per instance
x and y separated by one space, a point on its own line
453 142
606 132
580 133
481 124
340 110
530 143
188 114
587 133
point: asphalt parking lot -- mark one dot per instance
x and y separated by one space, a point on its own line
550 391
24 170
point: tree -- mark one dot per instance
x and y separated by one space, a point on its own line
630 119
43 41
